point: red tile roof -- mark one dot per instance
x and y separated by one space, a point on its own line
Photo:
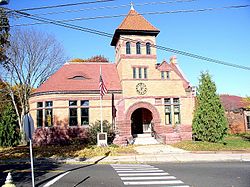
81 77
135 21
134 24
233 102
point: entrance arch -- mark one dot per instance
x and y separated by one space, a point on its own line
146 107
141 120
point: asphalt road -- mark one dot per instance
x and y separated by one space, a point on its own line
233 174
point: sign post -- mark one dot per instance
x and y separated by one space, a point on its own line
29 129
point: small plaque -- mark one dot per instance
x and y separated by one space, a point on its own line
102 139
101 136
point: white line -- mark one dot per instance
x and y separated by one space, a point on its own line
141 171
129 169
142 174
55 179
148 178
179 186
153 182
129 165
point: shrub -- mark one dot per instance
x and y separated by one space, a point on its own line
96 128
60 136
209 122
9 132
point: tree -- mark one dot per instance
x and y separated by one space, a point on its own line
33 57
4 34
97 58
209 122
9 133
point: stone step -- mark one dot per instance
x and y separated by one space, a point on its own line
145 140
145 135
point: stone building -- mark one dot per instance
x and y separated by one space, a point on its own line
237 113
144 97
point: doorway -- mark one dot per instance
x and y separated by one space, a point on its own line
141 121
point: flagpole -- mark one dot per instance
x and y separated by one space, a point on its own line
101 101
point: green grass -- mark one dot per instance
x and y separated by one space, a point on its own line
76 151
230 143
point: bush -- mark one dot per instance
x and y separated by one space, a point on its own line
9 132
60 136
209 122
96 128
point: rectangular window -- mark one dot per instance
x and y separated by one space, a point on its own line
177 117
168 114
73 103
162 75
73 117
158 101
134 73
84 116
39 104
39 118
48 113
145 73
168 75
248 122
167 101
85 103
48 117
85 112
176 101
48 103
140 73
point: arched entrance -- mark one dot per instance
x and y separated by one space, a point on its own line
141 120
132 113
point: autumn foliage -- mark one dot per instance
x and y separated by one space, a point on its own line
97 58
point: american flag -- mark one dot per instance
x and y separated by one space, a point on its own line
102 87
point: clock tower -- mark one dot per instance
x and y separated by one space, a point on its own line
135 56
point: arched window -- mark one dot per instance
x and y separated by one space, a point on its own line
128 51
138 48
148 48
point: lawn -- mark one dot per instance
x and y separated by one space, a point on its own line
76 151
231 143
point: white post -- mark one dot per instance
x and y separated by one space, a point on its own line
101 101
32 164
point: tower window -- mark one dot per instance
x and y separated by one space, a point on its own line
138 48
140 73
128 51
134 73
145 73
148 48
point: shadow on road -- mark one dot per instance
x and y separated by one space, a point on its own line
21 172
73 169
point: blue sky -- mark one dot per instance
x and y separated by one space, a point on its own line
220 34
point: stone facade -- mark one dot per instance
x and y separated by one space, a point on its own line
153 97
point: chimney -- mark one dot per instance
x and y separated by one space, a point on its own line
173 59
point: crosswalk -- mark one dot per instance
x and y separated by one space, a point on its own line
146 175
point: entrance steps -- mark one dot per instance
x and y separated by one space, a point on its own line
144 139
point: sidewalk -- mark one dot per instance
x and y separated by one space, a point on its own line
167 153
154 153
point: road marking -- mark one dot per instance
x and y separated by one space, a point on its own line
148 178
55 179
141 171
153 182
133 174
141 174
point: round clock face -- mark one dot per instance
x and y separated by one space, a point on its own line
141 88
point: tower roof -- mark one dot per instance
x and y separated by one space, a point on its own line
135 24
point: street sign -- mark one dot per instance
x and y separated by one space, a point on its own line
28 126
